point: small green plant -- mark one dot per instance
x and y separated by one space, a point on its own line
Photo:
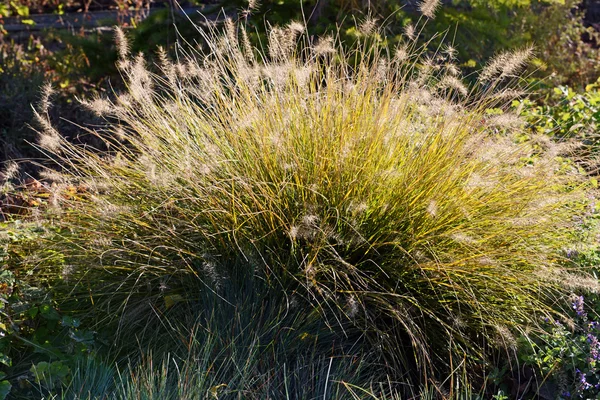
569 356
565 114
38 343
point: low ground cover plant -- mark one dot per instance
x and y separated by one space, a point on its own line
568 356
565 113
369 193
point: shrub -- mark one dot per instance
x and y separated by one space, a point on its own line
564 114
34 334
567 357
566 48
376 188
20 82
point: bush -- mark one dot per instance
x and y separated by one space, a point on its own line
566 48
374 188
24 67
564 114
567 356
21 79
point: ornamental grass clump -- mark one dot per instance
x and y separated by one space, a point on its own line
373 184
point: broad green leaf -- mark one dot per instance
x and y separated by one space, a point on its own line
22 10
48 312
5 387
4 359
4 10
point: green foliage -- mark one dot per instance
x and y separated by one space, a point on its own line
250 342
478 29
361 193
51 375
237 337
569 356
565 48
5 387
385 196
566 114
21 78
567 353
38 342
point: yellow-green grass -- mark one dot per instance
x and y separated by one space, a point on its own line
375 185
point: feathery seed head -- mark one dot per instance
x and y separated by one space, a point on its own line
11 170
487 261
505 337
432 208
352 306
462 238
507 95
310 220
281 44
279 74
368 26
401 54
357 208
253 5
231 34
140 80
122 43
294 230
296 28
450 51
410 32
324 46
429 7
506 121
54 176
48 138
47 92
67 272
453 83
50 141
167 66
452 69
516 61
247 46
506 64
382 72
99 105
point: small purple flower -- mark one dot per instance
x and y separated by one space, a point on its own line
585 385
594 347
578 305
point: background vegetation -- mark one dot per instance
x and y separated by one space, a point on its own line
257 244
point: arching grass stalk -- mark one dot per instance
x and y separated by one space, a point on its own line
377 184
